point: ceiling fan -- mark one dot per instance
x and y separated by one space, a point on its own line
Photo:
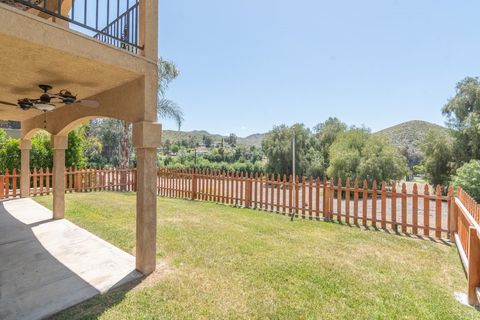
48 101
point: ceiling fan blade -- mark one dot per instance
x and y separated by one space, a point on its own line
88 103
8 103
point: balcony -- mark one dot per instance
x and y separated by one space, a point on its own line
115 22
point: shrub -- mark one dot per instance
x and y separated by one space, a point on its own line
468 178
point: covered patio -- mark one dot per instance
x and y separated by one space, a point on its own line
48 265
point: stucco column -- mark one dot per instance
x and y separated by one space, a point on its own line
25 147
146 140
59 145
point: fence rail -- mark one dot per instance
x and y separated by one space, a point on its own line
466 234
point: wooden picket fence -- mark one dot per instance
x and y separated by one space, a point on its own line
76 180
9 184
466 234
424 213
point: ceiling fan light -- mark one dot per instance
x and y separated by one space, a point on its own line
44 106
25 104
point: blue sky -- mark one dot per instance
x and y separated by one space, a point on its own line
249 65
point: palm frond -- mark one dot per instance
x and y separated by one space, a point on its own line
167 109
167 71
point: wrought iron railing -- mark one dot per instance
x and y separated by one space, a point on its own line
125 28
111 21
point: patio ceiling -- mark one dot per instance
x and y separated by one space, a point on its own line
45 53
25 65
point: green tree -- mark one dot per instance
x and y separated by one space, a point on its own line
109 132
9 153
381 161
316 163
41 155
468 178
277 147
74 153
438 161
346 154
357 154
231 139
463 117
207 141
175 148
325 134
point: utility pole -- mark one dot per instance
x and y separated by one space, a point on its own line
294 177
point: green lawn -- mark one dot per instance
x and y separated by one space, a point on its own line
220 262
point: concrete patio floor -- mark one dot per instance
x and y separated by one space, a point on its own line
49 265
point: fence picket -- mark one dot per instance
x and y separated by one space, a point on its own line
438 212
304 195
355 202
450 195
14 182
364 202
426 211
415 209
2 187
290 194
404 208
347 201
374 204
297 191
277 202
34 176
393 216
272 192
384 206
339 200
317 198
284 193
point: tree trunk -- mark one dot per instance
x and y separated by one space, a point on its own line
124 153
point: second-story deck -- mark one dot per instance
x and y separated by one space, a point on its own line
115 22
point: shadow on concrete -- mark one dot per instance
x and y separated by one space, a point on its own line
47 266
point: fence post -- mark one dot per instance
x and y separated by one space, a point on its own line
2 186
194 184
449 210
248 190
453 218
325 199
473 265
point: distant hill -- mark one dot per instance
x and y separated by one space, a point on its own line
408 136
252 140
176 136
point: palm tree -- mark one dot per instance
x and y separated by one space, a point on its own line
167 109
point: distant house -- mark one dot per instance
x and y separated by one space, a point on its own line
202 150
12 128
